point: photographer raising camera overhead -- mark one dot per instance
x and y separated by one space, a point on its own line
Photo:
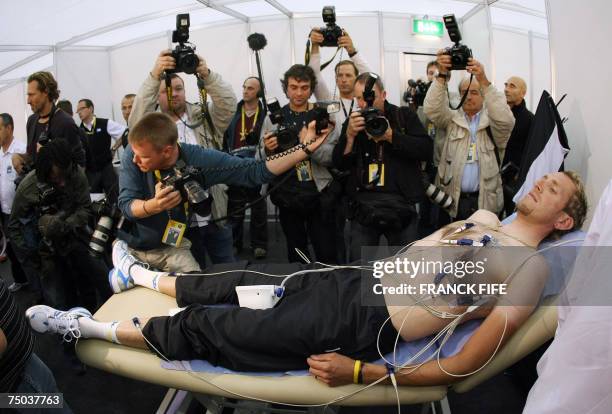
382 146
476 134
199 124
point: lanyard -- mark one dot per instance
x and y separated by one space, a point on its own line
243 127
344 108
93 127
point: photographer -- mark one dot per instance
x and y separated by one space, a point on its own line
468 169
346 72
48 220
241 139
100 134
194 127
155 210
48 121
300 197
384 203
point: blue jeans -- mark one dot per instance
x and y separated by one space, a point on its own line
215 240
38 378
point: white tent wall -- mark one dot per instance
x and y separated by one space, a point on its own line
580 63
397 39
511 50
476 33
12 101
540 66
85 74
129 66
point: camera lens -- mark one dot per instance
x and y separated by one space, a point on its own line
189 63
375 124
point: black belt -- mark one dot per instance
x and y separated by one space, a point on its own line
469 195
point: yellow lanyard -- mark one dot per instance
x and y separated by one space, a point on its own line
93 128
243 126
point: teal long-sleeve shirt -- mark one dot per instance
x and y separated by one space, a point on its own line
219 168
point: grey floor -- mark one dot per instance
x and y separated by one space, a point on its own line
98 392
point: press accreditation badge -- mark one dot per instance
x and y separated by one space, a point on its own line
472 154
174 233
304 171
373 173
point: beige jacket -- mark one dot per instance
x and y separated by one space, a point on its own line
495 113
221 112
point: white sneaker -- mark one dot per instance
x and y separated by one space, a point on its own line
45 319
119 281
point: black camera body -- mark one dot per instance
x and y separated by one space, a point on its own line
320 114
331 32
420 90
185 181
184 55
286 136
48 199
375 122
459 53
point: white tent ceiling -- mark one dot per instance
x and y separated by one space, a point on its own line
30 30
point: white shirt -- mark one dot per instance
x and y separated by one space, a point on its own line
8 174
187 135
114 129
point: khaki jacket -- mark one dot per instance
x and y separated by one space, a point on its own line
495 113
221 112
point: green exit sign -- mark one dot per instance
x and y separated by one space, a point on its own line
427 27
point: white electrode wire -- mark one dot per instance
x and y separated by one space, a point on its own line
302 255
248 397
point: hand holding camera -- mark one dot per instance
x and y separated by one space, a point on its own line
476 68
356 124
270 142
346 42
312 139
164 62
166 197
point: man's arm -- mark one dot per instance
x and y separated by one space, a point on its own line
222 96
146 98
321 91
435 105
81 201
500 116
26 197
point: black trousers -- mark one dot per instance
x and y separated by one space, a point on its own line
238 197
104 180
318 226
318 313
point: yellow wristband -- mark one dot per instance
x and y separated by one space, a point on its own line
356 370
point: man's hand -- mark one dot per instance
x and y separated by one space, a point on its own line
202 68
51 226
355 126
444 62
333 369
163 62
165 198
346 42
388 136
18 161
270 142
316 37
309 137
477 69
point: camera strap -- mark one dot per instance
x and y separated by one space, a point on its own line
463 98
307 56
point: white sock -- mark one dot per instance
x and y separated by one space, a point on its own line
91 328
146 278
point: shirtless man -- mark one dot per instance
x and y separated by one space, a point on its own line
299 332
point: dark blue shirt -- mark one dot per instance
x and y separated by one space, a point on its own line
219 168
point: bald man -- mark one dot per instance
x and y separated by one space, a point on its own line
515 90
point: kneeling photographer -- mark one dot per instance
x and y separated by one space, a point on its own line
48 223
382 146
